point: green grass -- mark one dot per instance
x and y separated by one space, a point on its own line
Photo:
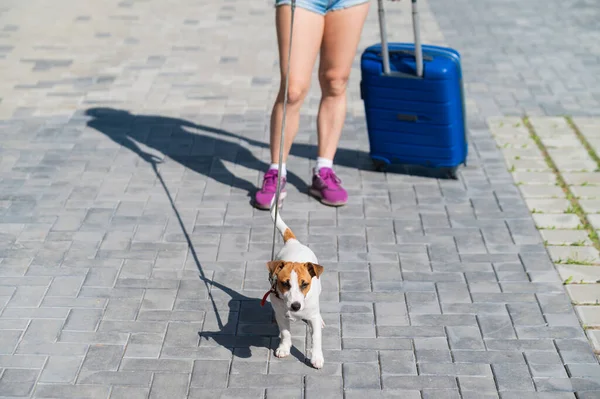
573 261
579 243
575 207
568 280
584 142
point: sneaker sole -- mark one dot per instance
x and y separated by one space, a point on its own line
268 207
317 194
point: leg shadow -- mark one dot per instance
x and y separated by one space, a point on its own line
199 148
203 149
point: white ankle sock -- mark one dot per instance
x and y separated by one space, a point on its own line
324 163
276 167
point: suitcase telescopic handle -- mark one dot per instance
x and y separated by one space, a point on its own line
417 36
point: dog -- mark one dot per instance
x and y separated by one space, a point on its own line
294 275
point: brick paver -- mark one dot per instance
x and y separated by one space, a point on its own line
520 56
132 265
566 219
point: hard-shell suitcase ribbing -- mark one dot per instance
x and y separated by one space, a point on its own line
414 103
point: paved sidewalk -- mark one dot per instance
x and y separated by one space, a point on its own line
541 57
132 266
555 163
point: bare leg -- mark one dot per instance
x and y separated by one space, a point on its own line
307 35
340 40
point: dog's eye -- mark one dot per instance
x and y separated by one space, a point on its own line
286 283
304 285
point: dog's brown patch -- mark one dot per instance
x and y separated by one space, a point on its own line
288 235
304 271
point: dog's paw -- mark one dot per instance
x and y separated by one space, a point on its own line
317 360
282 351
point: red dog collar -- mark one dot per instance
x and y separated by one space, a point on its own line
264 300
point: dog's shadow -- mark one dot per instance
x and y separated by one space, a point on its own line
249 325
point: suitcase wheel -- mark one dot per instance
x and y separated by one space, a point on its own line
453 173
380 165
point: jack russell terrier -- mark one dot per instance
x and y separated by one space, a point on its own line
295 289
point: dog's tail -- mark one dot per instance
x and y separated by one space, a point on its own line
283 228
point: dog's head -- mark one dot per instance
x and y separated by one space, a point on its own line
293 281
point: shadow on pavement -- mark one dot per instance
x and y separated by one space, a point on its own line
156 132
205 149
201 153
204 153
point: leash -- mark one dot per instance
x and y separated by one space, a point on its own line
273 280
285 100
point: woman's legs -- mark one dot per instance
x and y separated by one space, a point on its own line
340 40
307 35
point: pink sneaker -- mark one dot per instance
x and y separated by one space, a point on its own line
327 187
265 195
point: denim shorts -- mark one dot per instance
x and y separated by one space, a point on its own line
322 6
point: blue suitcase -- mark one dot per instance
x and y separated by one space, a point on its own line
414 103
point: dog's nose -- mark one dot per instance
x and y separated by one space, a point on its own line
296 306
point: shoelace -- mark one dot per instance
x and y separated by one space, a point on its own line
330 175
269 180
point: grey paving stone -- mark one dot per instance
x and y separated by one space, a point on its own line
589 315
477 384
496 326
474 395
169 385
17 382
265 381
577 255
9 340
229 393
441 393
137 378
361 375
465 338
398 362
61 369
558 221
548 370
385 393
578 273
24 361
129 392
210 374
93 255
537 395
49 349
512 377
541 191
71 391
418 382
489 357
565 237
457 369
83 320
103 357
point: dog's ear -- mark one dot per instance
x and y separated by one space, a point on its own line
274 266
314 269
